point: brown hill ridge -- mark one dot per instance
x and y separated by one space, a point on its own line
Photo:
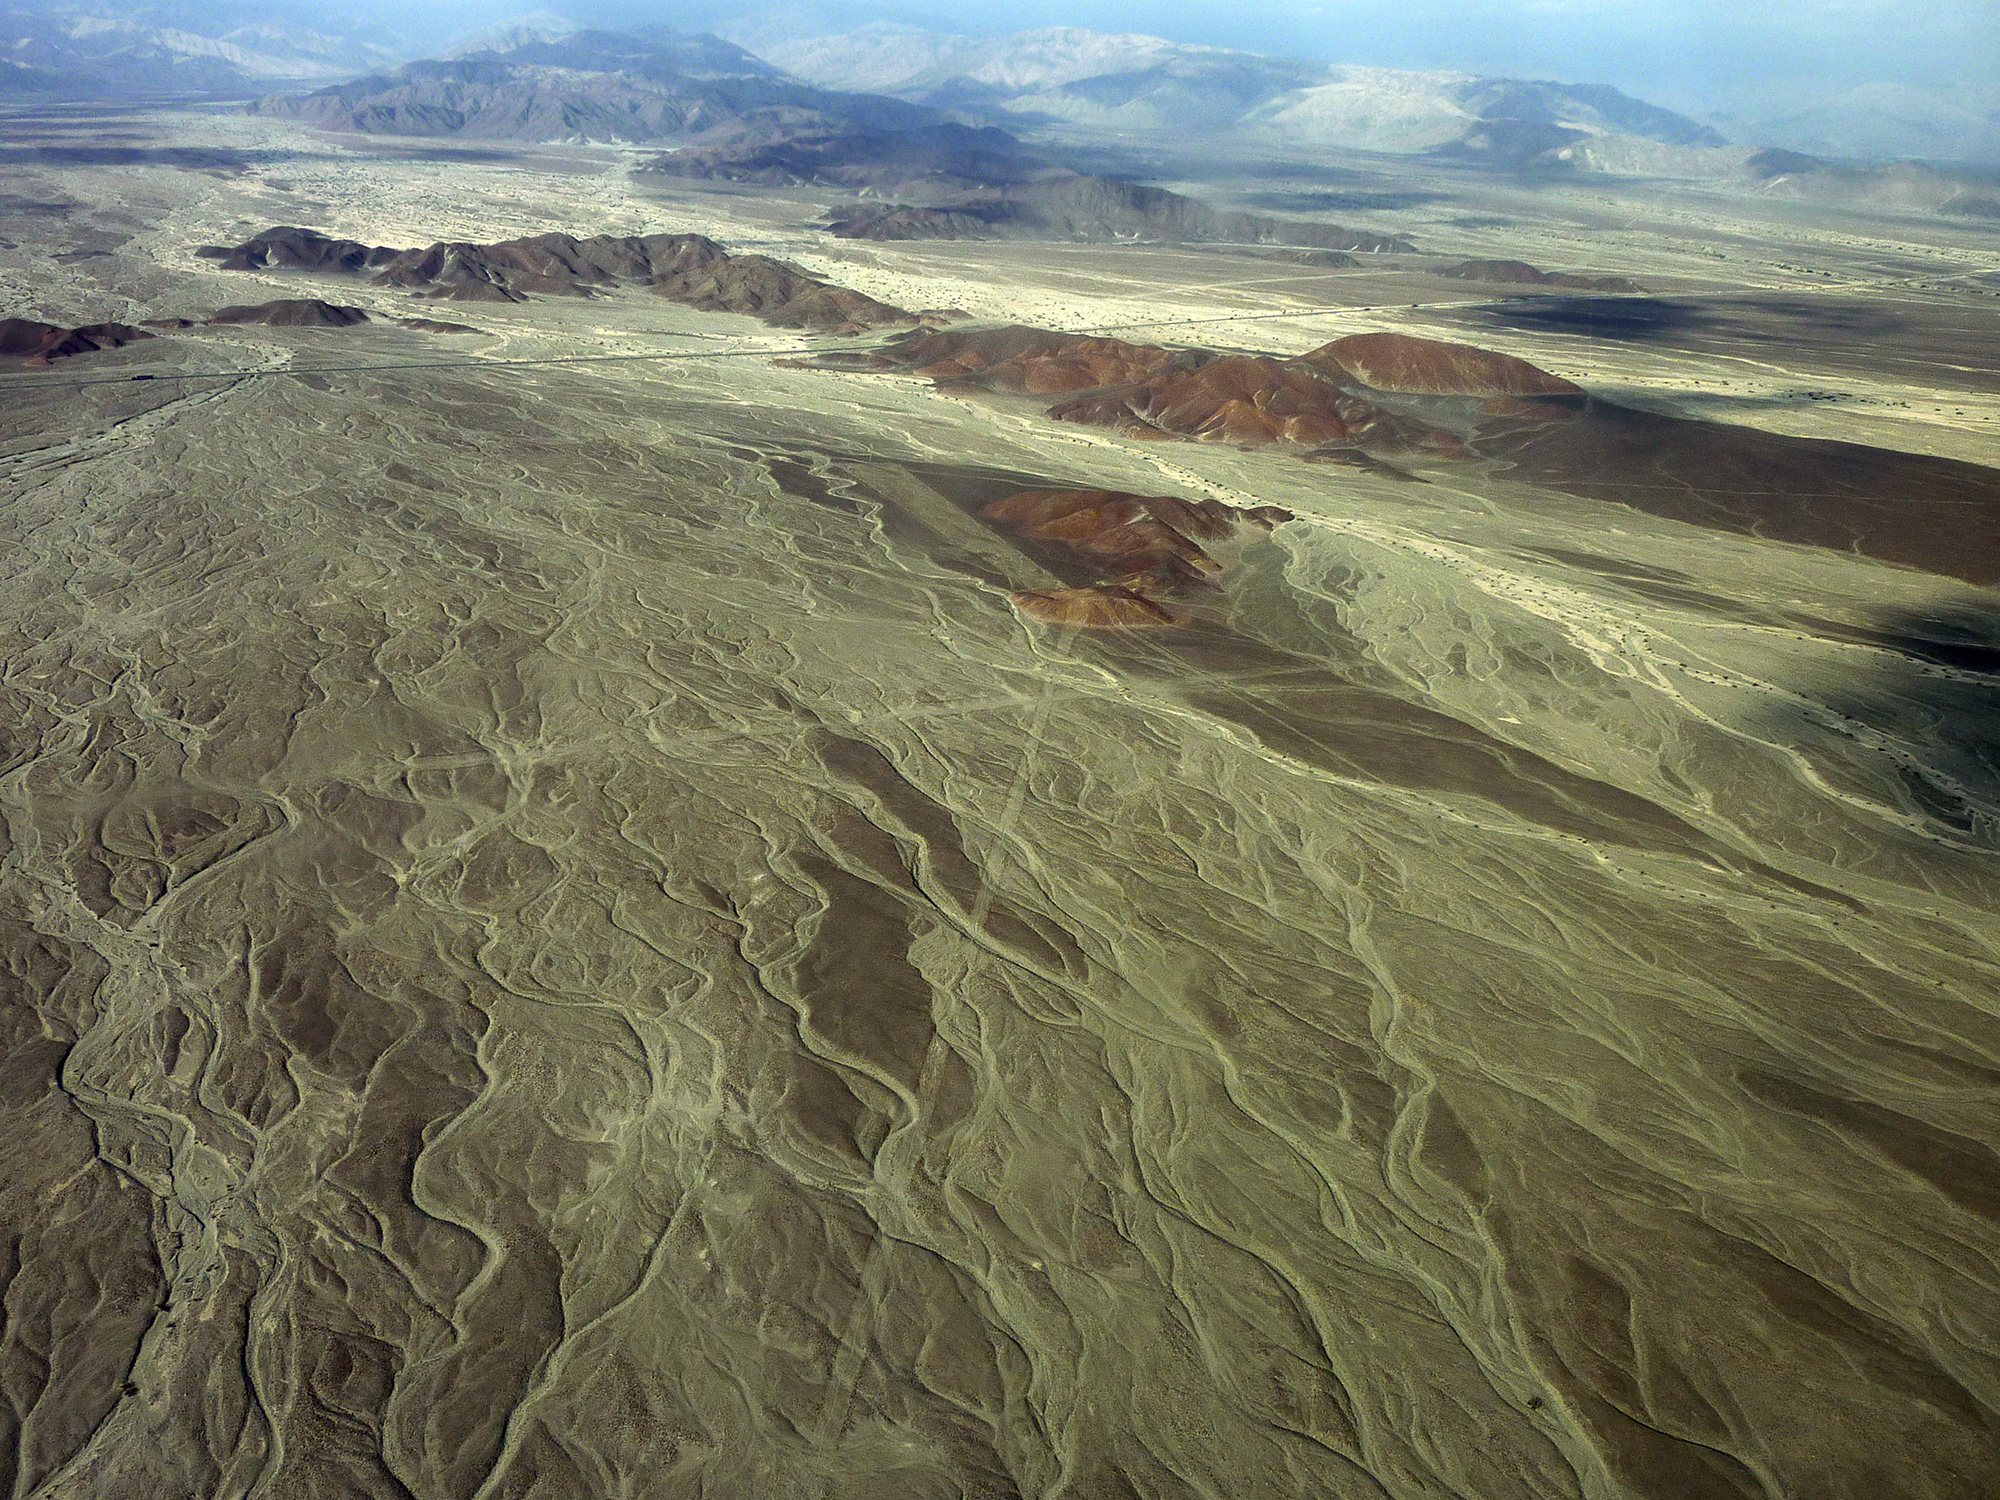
1434 367
287 248
1149 541
1520 273
293 313
686 268
43 343
1034 360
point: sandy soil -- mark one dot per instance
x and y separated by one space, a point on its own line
561 940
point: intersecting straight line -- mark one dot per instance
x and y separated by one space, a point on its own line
604 359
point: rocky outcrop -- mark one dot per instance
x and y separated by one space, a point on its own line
41 343
552 265
782 295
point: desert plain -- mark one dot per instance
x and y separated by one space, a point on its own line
563 934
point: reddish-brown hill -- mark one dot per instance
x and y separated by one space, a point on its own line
1148 391
1034 360
1400 362
1252 400
1147 540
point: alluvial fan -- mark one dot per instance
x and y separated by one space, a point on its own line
550 953
640 901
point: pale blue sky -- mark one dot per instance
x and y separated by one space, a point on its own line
1668 49
1683 46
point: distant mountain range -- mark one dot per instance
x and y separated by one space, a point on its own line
1878 121
1151 85
1129 84
74 50
594 85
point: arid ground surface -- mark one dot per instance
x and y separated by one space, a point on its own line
561 936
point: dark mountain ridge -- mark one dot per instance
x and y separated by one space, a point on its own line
1078 207
686 268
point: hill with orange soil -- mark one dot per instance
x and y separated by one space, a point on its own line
1147 541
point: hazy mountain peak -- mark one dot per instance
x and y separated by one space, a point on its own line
506 36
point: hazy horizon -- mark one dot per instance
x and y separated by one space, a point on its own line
1700 55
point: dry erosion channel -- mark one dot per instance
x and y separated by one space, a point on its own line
647 851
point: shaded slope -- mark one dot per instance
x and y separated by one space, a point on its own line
1932 513
286 248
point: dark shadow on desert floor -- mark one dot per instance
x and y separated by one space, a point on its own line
1937 514
1658 320
191 158
1938 694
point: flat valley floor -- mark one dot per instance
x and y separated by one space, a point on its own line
560 937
